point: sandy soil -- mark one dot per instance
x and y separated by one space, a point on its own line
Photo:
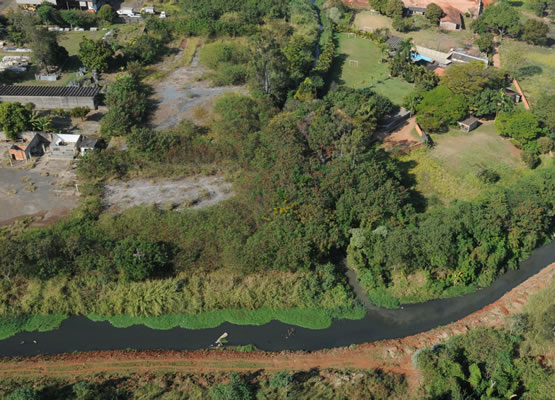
26 192
181 92
463 5
194 192
388 355
401 137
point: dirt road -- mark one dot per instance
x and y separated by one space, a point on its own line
388 355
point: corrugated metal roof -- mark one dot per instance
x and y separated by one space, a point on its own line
49 91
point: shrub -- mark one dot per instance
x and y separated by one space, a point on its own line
139 259
487 175
281 379
546 145
530 159
80 112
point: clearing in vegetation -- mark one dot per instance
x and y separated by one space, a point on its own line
196 192
368 72
424 34
533 65
448 171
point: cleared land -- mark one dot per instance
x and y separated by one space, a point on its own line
424 34
181 95
535 66
26 192
357 65
197 192
448 171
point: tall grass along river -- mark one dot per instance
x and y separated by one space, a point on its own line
83 334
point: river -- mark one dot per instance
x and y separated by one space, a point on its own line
82 334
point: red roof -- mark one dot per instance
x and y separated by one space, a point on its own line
452 15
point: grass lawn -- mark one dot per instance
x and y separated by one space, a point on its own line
357 65
537 66
448 171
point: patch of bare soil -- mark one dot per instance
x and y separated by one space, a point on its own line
401 137
46 192
194 192
183 91
388 355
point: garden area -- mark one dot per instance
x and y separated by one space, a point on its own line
358 65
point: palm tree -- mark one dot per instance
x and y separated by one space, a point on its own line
405 48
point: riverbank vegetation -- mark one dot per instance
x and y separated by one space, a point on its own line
310 183
324 384
497 363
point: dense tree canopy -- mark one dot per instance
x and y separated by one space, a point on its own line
14 118
95 54
440 108
433 13
470 79
500 18
127 102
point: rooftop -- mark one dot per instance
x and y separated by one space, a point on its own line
469 121
394 42
49 91
452 15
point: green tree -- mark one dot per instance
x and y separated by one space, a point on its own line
268 66
299 54
535 32
543 110
107 13
433 13
489 102
519 125
499 18
24 393
47 13
127 103
14 118
394 8
46 50
379 5
485 43
440 108
95 54
539 6
470 79
70 17
138 260
146 49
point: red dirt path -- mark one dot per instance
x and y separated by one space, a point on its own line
388 355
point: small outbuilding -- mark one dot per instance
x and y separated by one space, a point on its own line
24 149
469 124
415 11
452 20
512 95
64 146
87 144
394 42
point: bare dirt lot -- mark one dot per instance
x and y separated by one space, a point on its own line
194 192
181 92
39 192
389 355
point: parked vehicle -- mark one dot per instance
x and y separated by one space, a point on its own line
163 14
126 12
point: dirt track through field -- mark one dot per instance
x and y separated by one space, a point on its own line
388 355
